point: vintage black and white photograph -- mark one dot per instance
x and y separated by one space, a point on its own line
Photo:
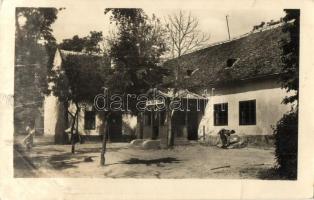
142 93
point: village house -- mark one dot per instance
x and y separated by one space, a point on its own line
239 80
231 85
90 121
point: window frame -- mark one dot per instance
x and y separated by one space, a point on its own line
225 117
247 121
231 62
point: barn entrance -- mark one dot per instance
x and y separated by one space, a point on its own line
192 125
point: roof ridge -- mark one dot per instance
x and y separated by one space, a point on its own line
259 56
266 28
67 52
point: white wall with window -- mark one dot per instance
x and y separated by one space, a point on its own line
221 114
251 108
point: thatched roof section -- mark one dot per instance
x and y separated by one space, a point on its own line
251 56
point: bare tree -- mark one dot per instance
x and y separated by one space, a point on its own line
184 34
184 37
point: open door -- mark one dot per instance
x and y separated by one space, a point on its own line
155 125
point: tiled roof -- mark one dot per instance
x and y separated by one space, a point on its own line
255 55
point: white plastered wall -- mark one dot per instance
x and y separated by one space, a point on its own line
269 109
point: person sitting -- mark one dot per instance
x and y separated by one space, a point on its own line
225 137
237 142
28 141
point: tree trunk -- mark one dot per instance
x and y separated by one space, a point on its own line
75 120
104 140
66 119
73 146
170 112
72 135
103 149
60 136
66 122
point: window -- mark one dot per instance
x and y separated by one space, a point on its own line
247 114
89 120
221 114
189 72
231 61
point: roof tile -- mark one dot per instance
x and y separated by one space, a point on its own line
258 55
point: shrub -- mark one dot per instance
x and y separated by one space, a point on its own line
286 143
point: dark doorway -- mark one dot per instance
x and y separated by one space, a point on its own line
115 126
155 132
192 125
155 125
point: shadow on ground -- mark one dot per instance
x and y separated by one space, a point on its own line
98 150
135 161
60 161
23 167
68 160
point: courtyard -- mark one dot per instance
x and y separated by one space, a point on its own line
194 160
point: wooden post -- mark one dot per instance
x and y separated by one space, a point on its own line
158 112
141 124
159 124
170 142
186 125
228 26
76 131
152 123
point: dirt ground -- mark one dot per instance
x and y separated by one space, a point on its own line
124 161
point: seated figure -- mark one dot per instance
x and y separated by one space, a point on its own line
225 137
